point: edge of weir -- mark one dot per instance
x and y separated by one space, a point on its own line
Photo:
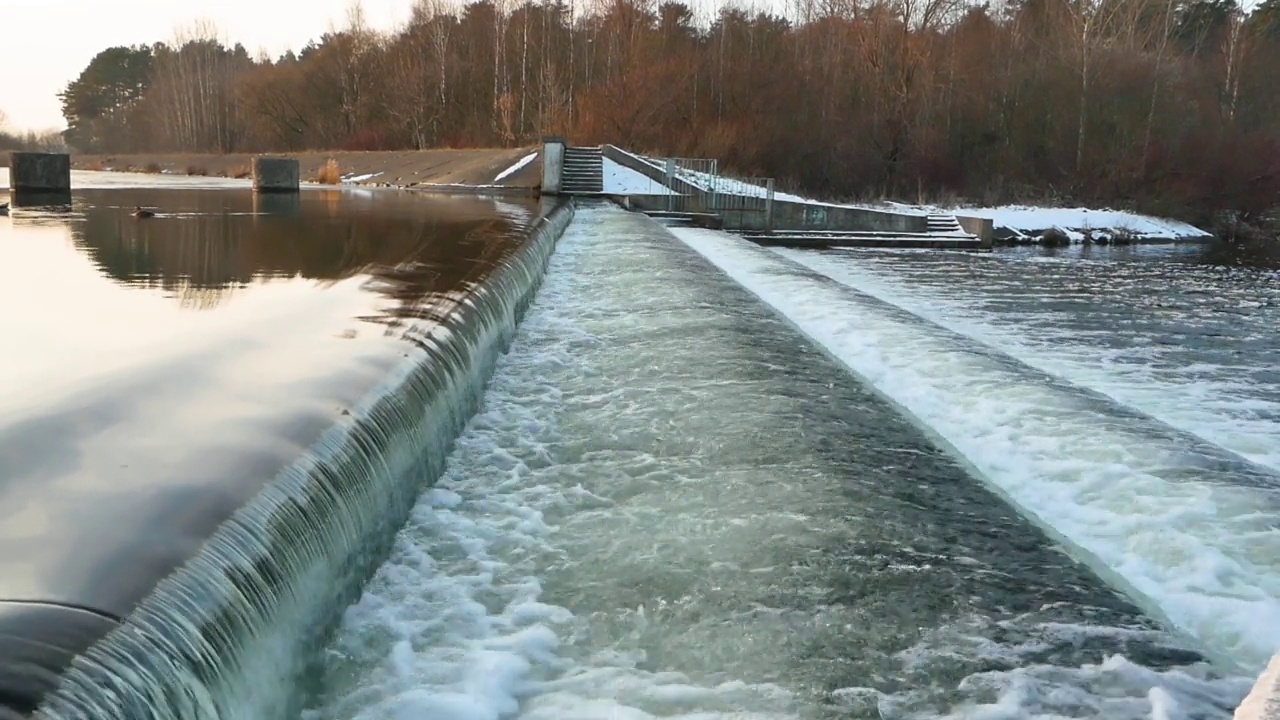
1263 701
229 634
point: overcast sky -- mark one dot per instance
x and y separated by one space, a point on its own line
46 43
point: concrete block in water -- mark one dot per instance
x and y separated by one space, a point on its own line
552 164
44 173
275 174
1263 702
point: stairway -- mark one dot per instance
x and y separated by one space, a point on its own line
944 225
583 171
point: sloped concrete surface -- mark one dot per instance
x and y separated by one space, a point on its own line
1263 702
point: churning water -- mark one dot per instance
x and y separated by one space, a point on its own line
670 504
1186 527
1190 342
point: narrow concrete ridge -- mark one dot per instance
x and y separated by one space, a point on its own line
1263 702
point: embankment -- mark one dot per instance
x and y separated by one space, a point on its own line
402 168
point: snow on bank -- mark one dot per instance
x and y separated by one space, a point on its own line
515 168
360 178
622 180
1077 222
1027 221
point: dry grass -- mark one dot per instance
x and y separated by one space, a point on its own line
240 171
328 174
197 170
152 168
97 165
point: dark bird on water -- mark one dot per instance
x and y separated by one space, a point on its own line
138 212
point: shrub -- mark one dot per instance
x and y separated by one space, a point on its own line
328 174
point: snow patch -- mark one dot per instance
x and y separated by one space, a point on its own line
1078 221
515 168
622 180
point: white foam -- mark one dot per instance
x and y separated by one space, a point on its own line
1205 555
550 498
1219 402
454 625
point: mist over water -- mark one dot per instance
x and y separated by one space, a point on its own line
671 505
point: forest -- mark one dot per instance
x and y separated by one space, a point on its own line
1169 106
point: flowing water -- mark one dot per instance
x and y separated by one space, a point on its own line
672 504
778 484
215 419
1174 332
1184 526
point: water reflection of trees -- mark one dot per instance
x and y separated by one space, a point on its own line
207 244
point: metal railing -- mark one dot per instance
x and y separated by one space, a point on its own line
696 185
743 195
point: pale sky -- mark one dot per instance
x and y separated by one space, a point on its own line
44 44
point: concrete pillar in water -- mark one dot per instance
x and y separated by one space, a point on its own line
275 174
552 164
40 178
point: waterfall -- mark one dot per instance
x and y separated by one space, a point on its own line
230 635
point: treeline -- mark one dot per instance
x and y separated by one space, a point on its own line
31 140
1172 105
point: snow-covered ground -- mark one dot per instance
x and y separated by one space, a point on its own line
1027 221
622 180
1075 222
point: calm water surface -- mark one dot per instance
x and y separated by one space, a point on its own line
157 372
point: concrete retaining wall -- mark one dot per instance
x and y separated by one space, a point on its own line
552 165
1263 702
787 215
981 227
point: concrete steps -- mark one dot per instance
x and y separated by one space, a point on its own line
583 171
944 225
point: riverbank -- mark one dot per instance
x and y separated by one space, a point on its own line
401 168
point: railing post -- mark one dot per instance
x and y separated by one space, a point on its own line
768 207
671 187
715 184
